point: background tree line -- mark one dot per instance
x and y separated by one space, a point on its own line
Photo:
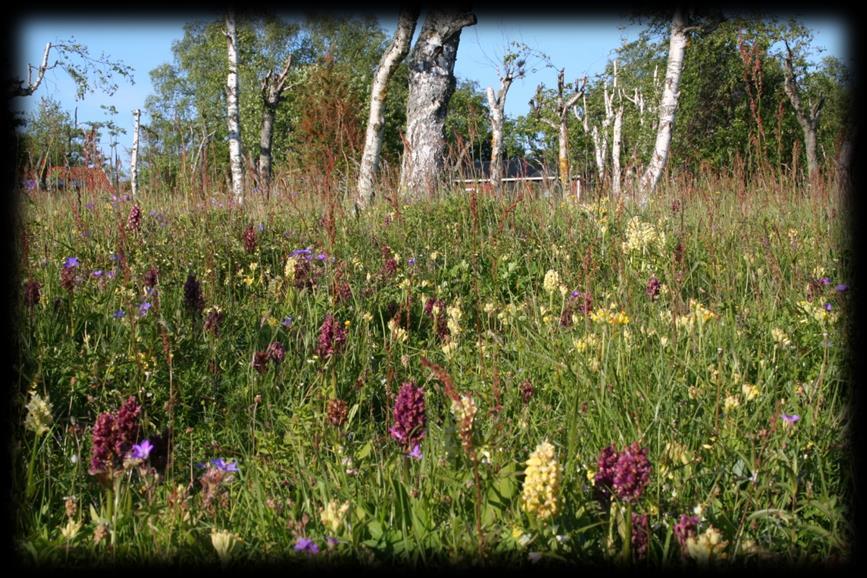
733 111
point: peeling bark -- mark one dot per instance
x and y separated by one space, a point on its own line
391 59
133 163
234 124
32 85
497 104
667 108
431 84
617 140
562 109
273 87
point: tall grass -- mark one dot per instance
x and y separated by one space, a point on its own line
701 374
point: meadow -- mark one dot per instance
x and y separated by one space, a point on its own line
461 380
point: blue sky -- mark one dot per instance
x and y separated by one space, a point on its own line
580 44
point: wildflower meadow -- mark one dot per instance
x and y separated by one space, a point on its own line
468 379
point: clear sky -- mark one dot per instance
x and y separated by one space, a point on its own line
580 44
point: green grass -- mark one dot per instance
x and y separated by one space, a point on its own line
772 490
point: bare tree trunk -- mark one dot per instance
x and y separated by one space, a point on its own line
391 59
617 140
563 156
497 106
133 163
808 117
235 158
667 108
431 84
563 106
32 85
272 92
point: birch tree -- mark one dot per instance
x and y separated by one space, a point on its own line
391 58
86 71
513 67
431 84
667 108
272 88
806 113
563 103
234 118
133 162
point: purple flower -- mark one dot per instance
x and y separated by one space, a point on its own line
89 206
193 300
605 464
119 314
411 261
306 545
332 336
97 273
260 227
113 257
652 288
276 352
32 292
111 274
631 473
30 184
322 256
686 527
133 221
640 535
70 262
143 309
224 466
828 307
415 453
409 416
790 419
841 288
287 321
141 450
825 281
306 253
112 436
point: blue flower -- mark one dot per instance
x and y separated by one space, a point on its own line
70 262
790 419
220 464
828 307
841 288
97 273
306 545
287 321
415 453
119 314
321 256
411 261
141 451
143 309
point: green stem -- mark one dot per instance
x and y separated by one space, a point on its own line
627 535
29 489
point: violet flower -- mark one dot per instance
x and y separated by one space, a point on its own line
790 419
306 545
141 450
409 416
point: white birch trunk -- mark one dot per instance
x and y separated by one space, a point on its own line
431 84
391 59
133 162
667 108
497 104
617 140
233 113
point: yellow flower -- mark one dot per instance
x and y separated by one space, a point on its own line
223 542
289 270
541 482
750 391
780 338
333 514
731 403
70 531
39 416
449 349
707 547
552 281
366 316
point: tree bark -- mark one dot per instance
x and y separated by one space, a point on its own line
667 108
234 122
391 59
272 92
808 117
431 84
32 85
617 140
497 106
133 163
